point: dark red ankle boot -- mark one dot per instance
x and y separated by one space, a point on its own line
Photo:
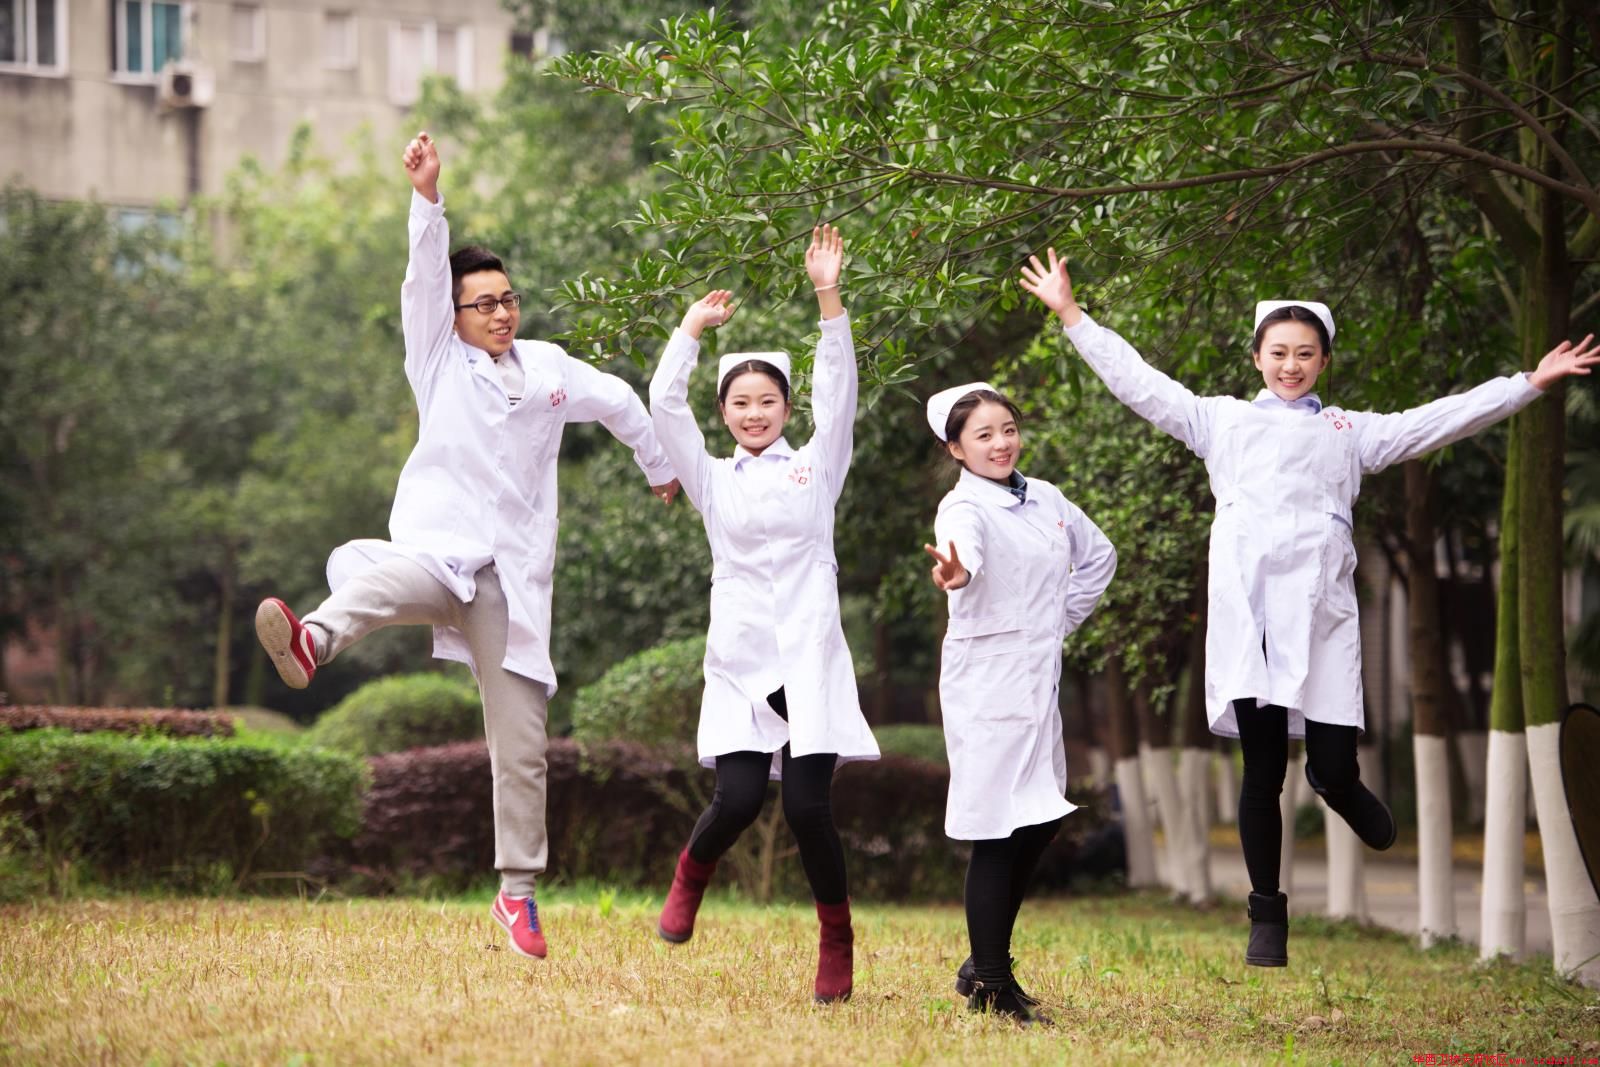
683 900
835 953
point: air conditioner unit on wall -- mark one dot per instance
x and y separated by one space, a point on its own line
187 83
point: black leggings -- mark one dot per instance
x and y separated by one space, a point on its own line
807 807
1264 740
997 877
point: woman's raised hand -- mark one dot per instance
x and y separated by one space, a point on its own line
825 257
709 312
948 573
1052 285
1564 359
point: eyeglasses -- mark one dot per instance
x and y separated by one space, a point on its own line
486 304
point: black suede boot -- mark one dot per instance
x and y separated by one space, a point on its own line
967 980
1005 998
1269 931
1368 816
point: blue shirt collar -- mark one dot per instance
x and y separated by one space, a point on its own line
1310 402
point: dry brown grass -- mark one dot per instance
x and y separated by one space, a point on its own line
1135 979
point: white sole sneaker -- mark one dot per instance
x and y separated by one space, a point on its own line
276 633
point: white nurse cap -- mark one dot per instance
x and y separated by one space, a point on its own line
1267 307
734 359
940 403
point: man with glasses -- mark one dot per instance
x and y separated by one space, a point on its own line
474 520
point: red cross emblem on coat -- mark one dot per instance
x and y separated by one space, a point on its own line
800 475
557 396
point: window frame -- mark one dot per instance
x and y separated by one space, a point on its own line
30 42
119 38
429 29
258 19
352 57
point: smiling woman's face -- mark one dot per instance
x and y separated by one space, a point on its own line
990 442
755 410
1290 359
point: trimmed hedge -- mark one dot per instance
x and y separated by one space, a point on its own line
620 812
400 712
161 721
205 813
652 697
918 740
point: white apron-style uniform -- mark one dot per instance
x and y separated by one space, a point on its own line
1038 568
480 485
1285 476
774 591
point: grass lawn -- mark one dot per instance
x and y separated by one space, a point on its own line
1132 979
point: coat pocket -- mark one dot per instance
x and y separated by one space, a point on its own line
542 531
988 671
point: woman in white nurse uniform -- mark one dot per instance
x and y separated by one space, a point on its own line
1283 651
1023 569
780 697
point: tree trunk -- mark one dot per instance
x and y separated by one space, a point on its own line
1137 829
1161 778
63 622
1574 909
1196 758
222 664
1288 805
1347 859
1430 696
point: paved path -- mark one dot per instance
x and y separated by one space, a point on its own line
1391 893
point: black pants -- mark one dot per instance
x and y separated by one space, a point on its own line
997 877
807 807
1264 740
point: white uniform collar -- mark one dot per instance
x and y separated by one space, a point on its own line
980 489
1310 402
780 447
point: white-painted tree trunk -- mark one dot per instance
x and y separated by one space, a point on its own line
1227 789
1347 856
1473 745
1504 919
1194 789
1100 765
1137 827
1288 803
1161 780
1574 910
1435 876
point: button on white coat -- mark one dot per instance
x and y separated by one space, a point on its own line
480 485
1285 477
774 591
1038 568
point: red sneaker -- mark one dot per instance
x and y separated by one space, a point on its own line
520 918
288 643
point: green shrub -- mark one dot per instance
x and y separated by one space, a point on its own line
652 697
401 712
194 814
917 740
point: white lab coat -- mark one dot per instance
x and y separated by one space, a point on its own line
480 485
1285 477
1038 568
774 591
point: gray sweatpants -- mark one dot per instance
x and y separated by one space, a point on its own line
399 592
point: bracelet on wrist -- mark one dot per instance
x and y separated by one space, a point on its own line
825 288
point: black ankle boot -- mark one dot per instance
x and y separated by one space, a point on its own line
1007 999
1269 931
1358 806
967 980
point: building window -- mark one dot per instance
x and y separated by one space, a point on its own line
339 40
148 36
249 32
419 48
33 36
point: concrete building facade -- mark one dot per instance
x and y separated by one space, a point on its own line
141 104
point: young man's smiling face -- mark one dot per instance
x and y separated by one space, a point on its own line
493 332
1290 359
